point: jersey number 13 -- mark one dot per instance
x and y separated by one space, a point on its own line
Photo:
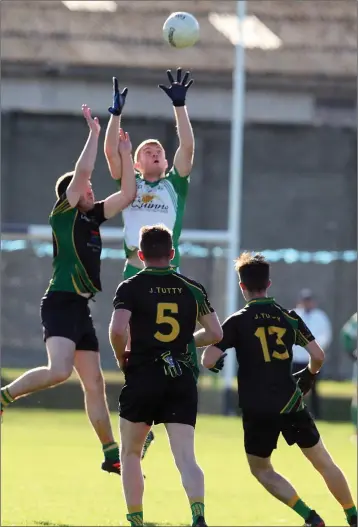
260 333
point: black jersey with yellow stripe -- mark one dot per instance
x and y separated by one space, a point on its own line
165 307
263 333
77 247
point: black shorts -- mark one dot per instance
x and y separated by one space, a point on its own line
149 396
65 314
262 431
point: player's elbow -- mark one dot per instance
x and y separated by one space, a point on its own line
83 172
319 355
116 331
187 147
320 358
216 334
117 328
110 151
114 164
125 199
129 195
210 356
316 352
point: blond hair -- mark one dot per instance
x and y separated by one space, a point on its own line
145 143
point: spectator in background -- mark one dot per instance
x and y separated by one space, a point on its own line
319 324
349 341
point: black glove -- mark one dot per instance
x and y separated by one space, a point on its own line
119 99
177 89
305 380
218 366
171 366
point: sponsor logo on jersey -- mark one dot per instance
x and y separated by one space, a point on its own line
151 201
85 217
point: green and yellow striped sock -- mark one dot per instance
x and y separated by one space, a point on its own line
197 508
350 511
300 507
135 515
6 398
111 451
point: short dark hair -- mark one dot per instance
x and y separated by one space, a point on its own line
62 183
253 270
155 241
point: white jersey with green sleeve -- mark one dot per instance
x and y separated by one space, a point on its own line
161 201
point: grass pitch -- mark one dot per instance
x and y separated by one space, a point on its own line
51 475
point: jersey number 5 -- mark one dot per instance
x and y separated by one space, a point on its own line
260 333
162 318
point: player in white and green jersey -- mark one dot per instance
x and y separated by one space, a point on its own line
162 200
161 193
349 341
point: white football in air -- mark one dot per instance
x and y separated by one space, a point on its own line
181 30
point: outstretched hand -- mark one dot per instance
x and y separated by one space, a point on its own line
177 89
305 379
93 123
119 98
218 366
124 144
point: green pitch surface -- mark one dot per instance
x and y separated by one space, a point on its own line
51 475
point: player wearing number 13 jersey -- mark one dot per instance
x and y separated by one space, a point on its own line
162 308
271 398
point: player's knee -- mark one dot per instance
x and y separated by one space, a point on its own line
324 463
185 462
60 373
93 383
319 457
262 474
131 449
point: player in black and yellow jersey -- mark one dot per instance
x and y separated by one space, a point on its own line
160 307
68 329
271 398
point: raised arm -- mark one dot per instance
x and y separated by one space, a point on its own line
85 164
121 199
111 145
176 91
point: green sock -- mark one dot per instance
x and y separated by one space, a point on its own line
135 518
350 512
111 451
354 417
301 508
6 397
197 509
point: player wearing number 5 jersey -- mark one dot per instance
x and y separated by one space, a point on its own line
271 398
161 193
162 308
